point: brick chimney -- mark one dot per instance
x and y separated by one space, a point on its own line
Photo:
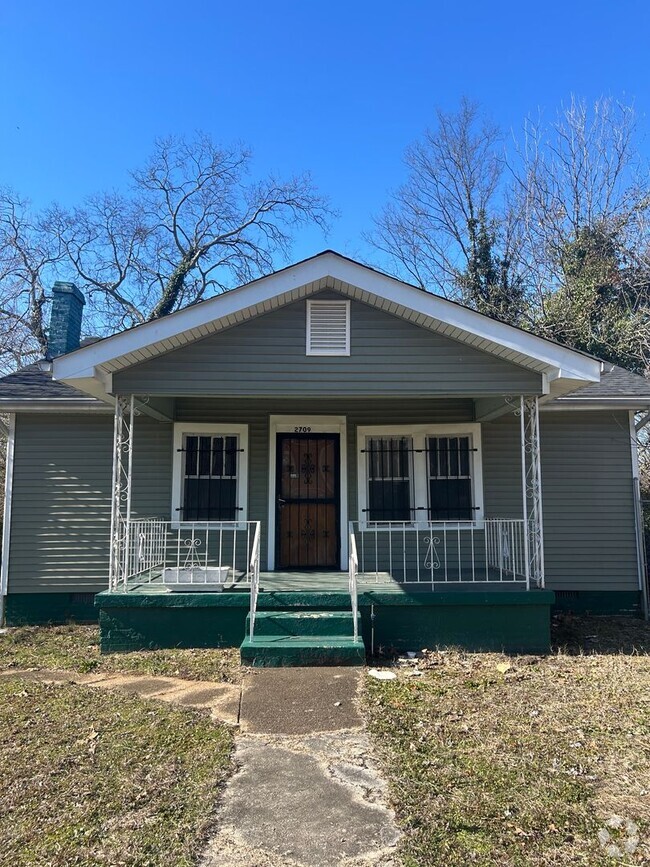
65 319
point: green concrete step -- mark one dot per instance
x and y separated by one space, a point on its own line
290 651
304 623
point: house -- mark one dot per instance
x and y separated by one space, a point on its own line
318 463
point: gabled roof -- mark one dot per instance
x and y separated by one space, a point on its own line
90 368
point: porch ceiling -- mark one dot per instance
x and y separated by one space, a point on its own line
90 368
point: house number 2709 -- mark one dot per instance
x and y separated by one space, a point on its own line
301 429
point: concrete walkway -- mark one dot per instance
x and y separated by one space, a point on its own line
306 791
221 700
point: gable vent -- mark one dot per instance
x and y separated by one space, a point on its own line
328 327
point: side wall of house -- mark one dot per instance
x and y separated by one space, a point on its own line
587 493
62 475
61 512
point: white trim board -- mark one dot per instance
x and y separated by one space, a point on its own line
86 367
638 516
610 403
187 427
36 404
327 424
420 493
6 519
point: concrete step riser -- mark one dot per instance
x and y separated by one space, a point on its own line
303 624
275 656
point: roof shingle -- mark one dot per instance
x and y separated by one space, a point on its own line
615 381
33 383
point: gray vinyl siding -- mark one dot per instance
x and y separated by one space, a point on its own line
62 479
502 468
267 356
61 512
589 536
61 505
588 501
152 475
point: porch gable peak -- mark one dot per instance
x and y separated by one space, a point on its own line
90 368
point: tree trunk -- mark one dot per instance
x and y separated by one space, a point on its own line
173 288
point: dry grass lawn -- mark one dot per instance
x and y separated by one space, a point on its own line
97 778
496 760
76 648
492 760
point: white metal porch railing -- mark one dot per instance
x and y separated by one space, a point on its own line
488 551
353 568
254 569
197 556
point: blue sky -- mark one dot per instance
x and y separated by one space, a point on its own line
337 88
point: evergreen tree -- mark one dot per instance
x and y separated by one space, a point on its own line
601 304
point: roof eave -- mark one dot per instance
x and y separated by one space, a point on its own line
53 404
623 402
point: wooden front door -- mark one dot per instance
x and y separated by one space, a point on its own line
308 496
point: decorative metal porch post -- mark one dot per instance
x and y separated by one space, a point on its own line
121 490
532 490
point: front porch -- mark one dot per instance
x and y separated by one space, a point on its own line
399 537
406 588
391 618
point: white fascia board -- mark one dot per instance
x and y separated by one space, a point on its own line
601 403
642 400
83 362
54 404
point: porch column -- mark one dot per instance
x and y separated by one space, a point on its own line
121 490
531 477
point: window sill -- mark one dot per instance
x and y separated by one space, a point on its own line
403 526
209 525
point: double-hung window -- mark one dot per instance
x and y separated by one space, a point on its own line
209 473
450 478
421 474
390 478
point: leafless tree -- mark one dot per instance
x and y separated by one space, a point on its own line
581 171
584 200
454 173
29 255
106 250
193 224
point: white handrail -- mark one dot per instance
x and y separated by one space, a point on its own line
353 567
254 568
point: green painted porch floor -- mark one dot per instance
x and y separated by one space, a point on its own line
336 582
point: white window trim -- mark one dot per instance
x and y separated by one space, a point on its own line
419 484
182 429
324 353
328 424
